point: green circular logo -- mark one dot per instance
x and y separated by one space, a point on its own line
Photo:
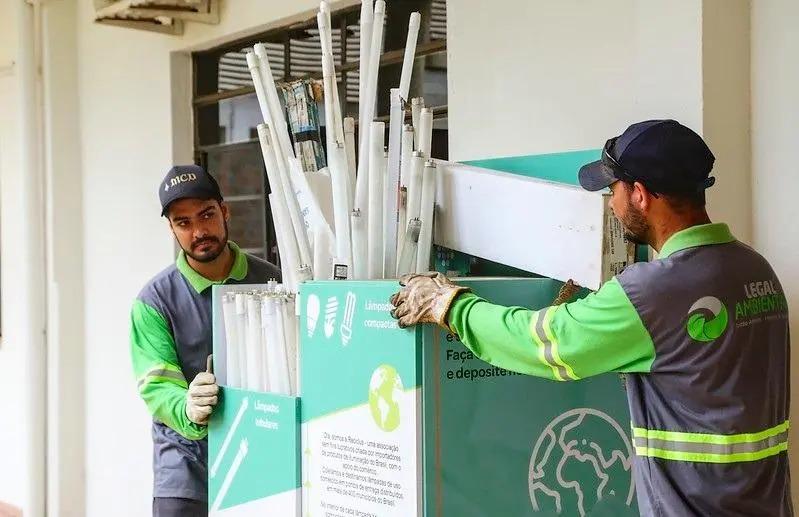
385 391
707 319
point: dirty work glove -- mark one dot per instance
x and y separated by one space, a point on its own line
424 298
202 396
567 291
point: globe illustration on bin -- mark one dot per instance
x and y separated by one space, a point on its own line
582 465
385 391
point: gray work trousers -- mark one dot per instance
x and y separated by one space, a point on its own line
178 507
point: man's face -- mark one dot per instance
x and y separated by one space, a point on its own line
200 227
624 206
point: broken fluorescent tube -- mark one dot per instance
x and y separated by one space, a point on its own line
410 53
425 131
417 103
427 214
360 254
407 261
375 211
392 183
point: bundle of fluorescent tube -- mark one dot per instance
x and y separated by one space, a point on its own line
355 227
261 339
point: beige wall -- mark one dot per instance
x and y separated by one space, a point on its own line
13 441
22 365
775 173
725 110
576 73
572 74
66 422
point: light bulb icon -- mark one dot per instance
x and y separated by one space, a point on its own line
330 316
349 314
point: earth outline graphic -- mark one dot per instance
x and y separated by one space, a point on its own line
391 419
538 458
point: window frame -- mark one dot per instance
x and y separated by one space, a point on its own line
203 69
205 84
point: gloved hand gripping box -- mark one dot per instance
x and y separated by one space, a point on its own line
407 422
253 439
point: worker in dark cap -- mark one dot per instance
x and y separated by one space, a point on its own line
171 336
701 334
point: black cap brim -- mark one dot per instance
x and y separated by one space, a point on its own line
596 176
194 194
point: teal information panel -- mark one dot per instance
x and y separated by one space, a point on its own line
361 412
407 422
253 443
499 443
559 167
253 454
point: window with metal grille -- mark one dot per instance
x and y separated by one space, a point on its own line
226 110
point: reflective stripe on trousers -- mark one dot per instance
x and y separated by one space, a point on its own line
711 448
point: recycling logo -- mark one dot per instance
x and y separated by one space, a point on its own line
707 319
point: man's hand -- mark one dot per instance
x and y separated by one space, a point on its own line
201 398
424 298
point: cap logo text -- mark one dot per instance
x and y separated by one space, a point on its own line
190 176
182 178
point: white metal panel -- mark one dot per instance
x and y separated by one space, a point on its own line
546 228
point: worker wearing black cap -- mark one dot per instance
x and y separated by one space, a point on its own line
701 334
171 336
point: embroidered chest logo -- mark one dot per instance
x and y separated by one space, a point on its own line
707 319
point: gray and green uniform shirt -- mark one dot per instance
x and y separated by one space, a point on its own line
702 333
170 340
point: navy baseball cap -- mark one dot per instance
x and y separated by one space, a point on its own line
187 181
663 155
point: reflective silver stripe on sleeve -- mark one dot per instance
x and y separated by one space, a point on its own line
542 335
161 372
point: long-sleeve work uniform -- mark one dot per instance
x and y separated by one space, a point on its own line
170 339
702 334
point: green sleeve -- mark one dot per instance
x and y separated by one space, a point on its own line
160 379
597 334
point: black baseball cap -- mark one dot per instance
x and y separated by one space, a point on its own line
663 155
187 181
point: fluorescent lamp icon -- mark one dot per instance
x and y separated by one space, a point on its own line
229 436
312 314
330 316
346 323
231 474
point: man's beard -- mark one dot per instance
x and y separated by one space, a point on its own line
636 228
212 254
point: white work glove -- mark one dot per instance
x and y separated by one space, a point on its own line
202 397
